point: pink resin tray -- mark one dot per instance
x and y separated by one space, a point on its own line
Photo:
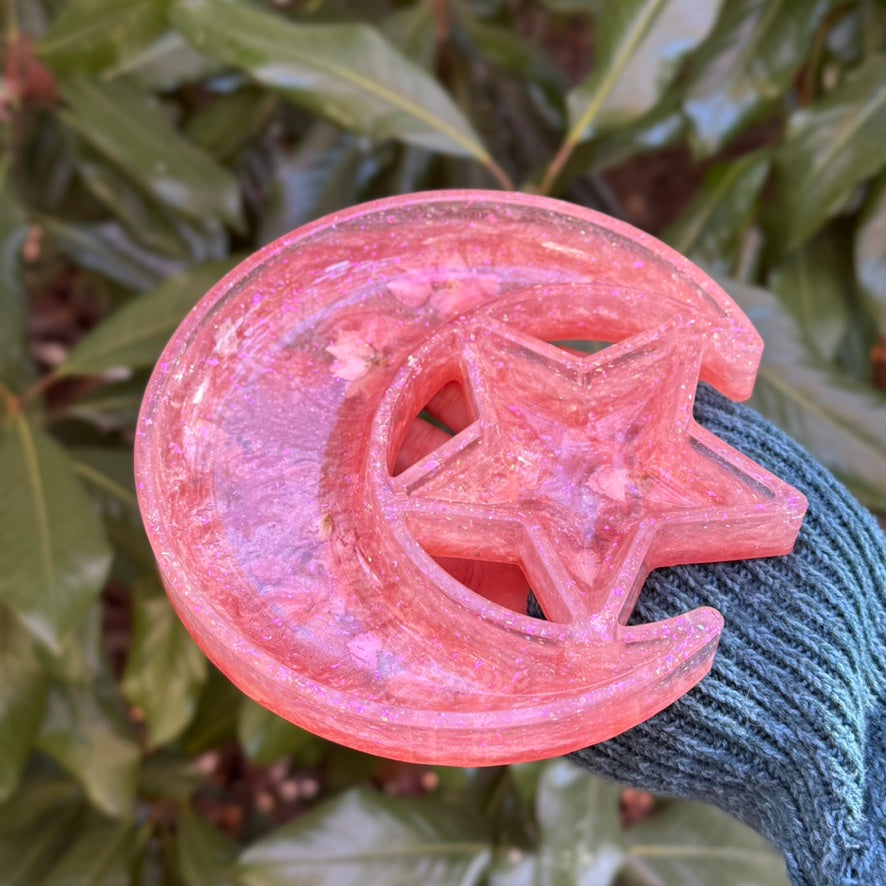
369 441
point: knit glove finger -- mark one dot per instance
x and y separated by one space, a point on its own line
787 730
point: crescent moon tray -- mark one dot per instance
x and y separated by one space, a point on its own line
369 444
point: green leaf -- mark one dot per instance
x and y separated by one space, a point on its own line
112 407
36 823
870 252
712 228
389 841
412 31
230 121
640 45
54 557
828 149
746 65
84 733
130 129
89 35
82 659
663 126
204 854
134 336
107 249
512 52
15 370
166 775
166 64
215 722
347 73
814 282
841 422
142 218
266 738
153 226
579 833
581 841
102 855
571 7
108 476
22 698
165 670
323 173
685 842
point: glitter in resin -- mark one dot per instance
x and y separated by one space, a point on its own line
371 439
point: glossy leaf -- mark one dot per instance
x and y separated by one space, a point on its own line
106 248
572 7
746 65
89 35
222 126
167 775
131 206
153 226
514 53
87 737
36 823
204 854
165 669
266 738
54 557
662 127
347 73
640 44
102 855
13 303
870 252
107 474
829 148
685 842
81 661
389 840
412 31
712 227
323 173
22 697
840 421
129 128
111 407
579 833
215 721
166 64
133 336
814 282
582 841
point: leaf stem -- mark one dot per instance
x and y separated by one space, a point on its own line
38 388
574 136
555 167
11 402
500 175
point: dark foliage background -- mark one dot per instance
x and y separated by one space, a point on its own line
148 145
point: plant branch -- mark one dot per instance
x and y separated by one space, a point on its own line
555 167
500 175
38 388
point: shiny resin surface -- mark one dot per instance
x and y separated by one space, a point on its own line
369 441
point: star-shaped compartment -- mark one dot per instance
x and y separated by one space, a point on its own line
590 471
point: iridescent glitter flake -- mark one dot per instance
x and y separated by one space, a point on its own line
369 441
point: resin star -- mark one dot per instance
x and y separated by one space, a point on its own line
596 464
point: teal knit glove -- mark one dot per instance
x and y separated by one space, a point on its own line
788 732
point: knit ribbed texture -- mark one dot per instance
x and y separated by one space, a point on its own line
787 731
